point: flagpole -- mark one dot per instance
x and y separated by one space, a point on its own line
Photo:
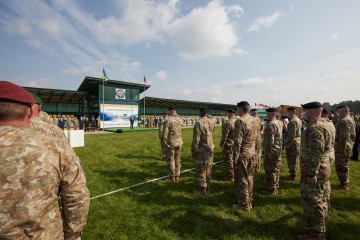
103 96
144 100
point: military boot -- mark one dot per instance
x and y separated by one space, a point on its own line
201 192
245 208
291 177
172 179
344 187
176 178
269 192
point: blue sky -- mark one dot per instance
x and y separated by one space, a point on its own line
270 52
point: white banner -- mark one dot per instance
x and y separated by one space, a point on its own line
118 115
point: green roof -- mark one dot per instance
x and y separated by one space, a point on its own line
48 95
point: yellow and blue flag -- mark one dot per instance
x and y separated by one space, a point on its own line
104 75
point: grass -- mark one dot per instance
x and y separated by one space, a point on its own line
161 210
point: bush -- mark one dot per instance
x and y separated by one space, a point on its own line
119 131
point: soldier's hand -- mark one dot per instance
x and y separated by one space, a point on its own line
311 180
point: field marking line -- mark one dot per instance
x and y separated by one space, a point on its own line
142 183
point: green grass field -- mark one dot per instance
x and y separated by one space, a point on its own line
163 210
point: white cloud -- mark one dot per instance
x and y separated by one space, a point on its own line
265 21
161 75
212 93
255 81
204 32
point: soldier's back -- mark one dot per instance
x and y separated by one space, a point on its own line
174 124
206 127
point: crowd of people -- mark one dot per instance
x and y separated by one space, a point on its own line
43 191
313 142
68 122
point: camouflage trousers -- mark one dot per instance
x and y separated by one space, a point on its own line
342 166
292 156
315 200
228 156
203 170
258 153
244 180
173 159
163 148
272 170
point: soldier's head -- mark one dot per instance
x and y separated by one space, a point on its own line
312 111
254 112
203 112
164 115
325 113
15 104
172 111
243 108
291 112
270 113
342 111
231 113
36 107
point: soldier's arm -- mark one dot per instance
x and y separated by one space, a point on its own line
270 137
165 132
344 134
316 151
75 197
238 138
225 133
196 139
291 131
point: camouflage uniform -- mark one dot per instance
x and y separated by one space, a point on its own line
272 151
202 150
333 133
48 128
161 129
315 162
45 117
293 137
227 146
244 147
173 142
258 144
35 171
344 141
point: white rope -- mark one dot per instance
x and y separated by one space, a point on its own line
142 183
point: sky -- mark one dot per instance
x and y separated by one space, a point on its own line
270 52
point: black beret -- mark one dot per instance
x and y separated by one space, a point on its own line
253 110
243 104
341 106
231 110
271 110
203 110
311 105
291 109
325 111
172 108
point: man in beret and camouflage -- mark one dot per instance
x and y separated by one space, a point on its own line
315 171
272 151
37 170
173 143
227 144
344 141
258 144
292 144
244 152
202 150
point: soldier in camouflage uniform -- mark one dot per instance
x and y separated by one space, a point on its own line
292 144
258 144
315 171
173 143
246 132
344 141
161 129
227 144
272 152
36 170
325 115
202 150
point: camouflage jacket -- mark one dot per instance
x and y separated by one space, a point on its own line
345 136
315 150
293 133
258 128
272 136
202 142
172 132
161 128
37 170
48 128
227 137
245 137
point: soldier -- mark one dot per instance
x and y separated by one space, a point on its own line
246 132
68 122
258 144
325 115
202 150
355 155
315 171
173 143
272 152
292 143
227 144
161 129
76 123
344 141
37 170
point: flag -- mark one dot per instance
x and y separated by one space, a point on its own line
104 75
145 82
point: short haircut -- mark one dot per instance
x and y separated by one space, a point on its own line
13 111
245 106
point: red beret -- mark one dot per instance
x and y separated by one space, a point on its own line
15 93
